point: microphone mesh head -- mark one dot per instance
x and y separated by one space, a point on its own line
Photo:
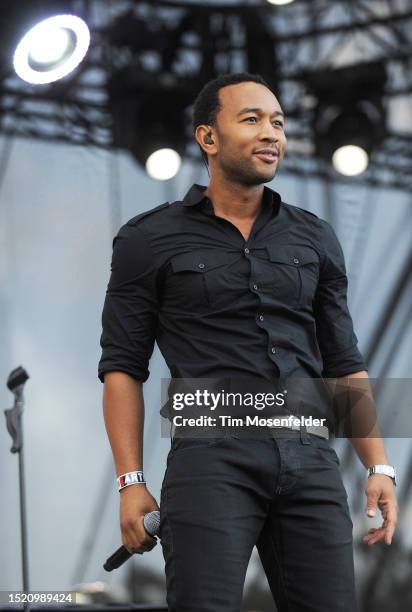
151 522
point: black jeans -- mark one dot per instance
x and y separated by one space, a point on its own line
220 497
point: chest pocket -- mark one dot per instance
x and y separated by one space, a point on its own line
190 282
291 274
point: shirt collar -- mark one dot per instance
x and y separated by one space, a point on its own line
195 196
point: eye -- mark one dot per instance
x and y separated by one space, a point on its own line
276 122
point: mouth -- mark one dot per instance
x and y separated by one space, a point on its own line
268 157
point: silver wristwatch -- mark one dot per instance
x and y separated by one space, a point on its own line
388 470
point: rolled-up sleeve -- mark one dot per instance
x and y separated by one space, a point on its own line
334 326
130 308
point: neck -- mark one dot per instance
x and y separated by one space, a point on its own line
235 200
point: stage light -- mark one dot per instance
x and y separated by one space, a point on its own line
150 120
349 119
163 164
279 2
350 160
347 136
52 49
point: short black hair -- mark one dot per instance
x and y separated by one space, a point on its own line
207 104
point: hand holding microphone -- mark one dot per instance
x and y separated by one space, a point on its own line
139 523
151 523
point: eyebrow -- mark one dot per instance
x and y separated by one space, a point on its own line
258 111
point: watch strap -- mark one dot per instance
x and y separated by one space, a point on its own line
387 470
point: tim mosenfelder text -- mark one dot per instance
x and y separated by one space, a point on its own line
247 421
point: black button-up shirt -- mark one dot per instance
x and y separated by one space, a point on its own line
273 306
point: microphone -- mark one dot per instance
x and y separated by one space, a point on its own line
151 522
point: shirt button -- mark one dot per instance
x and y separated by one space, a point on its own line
273 350
261 317
246 250
295 260
255 287
201 265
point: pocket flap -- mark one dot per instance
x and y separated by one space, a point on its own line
292 255
197 261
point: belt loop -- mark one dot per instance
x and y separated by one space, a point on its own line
304 436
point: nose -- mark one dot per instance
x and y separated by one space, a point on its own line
269 132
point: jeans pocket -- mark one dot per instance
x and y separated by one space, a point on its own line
329 453
324 449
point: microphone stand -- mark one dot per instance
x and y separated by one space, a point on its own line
15 382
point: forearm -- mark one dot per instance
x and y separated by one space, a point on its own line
123 409
370 450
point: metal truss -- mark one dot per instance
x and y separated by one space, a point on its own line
160 47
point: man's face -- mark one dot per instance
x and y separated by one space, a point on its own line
241 133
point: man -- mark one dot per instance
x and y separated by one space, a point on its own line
233 282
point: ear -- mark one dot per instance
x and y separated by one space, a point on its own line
205 138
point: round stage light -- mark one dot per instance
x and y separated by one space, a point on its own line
163 164
350 160
51 49
279 2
